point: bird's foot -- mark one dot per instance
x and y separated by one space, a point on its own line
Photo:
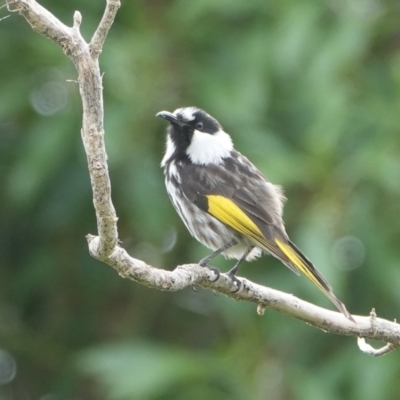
216 271
238 283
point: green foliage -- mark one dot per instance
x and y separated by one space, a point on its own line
309 92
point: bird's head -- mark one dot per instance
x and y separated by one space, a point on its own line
197 135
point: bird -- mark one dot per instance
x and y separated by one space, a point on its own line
224 201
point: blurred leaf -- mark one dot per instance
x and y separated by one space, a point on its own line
143 370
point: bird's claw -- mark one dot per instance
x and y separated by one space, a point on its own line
213 269
236 281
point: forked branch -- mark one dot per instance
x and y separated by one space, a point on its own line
105 246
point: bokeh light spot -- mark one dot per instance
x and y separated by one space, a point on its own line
8 367
170 240
49 98
348 253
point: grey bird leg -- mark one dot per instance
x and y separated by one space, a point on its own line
232 272
203 262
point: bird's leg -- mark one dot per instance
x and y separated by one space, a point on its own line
203 262
232 272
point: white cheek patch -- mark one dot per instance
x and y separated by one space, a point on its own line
169 151
208 148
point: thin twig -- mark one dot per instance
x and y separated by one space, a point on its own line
97 42
8 4
367 349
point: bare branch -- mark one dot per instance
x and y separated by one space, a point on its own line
96 44
77 20
105 246
91 90
192 274
41 21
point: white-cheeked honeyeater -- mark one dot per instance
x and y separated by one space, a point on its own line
225 201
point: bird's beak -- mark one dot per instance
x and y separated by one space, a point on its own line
170 117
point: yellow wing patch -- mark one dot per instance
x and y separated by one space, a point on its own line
229 213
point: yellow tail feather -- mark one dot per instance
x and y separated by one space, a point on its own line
296 260
313 275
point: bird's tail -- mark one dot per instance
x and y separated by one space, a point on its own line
303 264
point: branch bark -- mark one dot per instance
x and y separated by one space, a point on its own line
105 246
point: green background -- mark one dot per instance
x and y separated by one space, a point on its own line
309 91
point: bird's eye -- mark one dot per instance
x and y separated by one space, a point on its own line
199 126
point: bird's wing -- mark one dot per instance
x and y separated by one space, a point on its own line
239 199
260 233
237 183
